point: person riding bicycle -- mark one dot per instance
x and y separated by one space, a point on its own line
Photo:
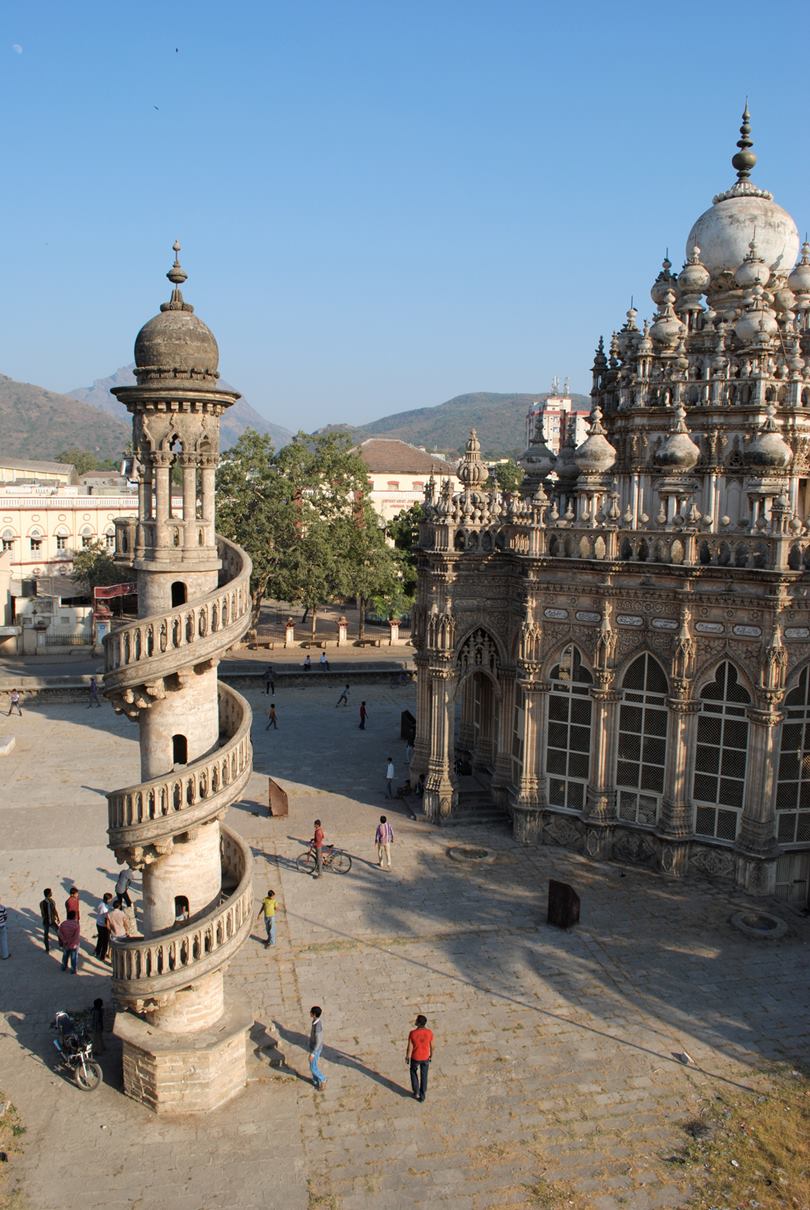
317 844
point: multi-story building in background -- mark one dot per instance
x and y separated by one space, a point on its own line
561 416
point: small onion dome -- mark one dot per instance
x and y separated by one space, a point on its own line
538 460
769 450
566 465
694 276
678 452
596 455
799 280
784 300
471 469
753 271
175 343
663 282
757 323
667 328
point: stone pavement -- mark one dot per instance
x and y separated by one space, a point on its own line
555 1051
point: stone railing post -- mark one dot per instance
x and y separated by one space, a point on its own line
393 636
343 631
289 633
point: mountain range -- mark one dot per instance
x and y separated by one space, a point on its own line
499 419
37 423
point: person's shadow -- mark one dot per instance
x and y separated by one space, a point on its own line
340 1059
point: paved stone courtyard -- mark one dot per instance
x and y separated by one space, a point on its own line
555 1051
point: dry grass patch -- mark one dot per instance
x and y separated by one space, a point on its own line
11 1132
753 1149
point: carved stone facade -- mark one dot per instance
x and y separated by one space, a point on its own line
183 1045
621 648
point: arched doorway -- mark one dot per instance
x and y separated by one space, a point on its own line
477 703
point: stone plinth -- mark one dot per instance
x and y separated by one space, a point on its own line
184 1073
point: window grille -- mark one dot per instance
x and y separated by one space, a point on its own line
642 745
568 735
793 782
721 755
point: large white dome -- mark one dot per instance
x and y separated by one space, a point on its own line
725 231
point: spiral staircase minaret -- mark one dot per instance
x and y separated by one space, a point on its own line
183 1044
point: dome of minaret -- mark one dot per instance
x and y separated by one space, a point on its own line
664 281
538 460
753 271
756 323
769 450
725 230
472 470
694 276
596 455
667 328
175 343
566 465
799 280
678 452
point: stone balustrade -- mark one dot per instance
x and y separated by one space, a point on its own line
155 646
150 816
146 970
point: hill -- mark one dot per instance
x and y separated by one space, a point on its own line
499 419
35 423
234 421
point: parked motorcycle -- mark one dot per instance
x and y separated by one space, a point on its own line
75 1050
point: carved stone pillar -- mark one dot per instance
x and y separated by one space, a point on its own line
421 747
440 790
756 843
600 797
527 819
502 776
162 464
675 823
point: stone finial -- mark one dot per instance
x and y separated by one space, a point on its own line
176 275
744 160
471 469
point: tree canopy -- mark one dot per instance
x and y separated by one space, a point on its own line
94 567
507 475
303 515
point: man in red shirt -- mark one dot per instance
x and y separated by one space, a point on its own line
72 903
418 1054
69 934
317 843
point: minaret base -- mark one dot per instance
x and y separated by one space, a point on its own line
184 1073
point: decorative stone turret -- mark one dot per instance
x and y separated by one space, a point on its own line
183 1046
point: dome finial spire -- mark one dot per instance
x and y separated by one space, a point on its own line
176 275
745 159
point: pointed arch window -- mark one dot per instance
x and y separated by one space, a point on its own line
721 755
642 747
568 737
793 785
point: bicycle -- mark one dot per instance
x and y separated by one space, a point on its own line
331 859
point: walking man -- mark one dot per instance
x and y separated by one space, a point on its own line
389 778
316 1046
94 698
384 838
324 662
343 700
50 917
418 1054
272 720
122 885
363 716
268 910
269 683
69 936
317 844
4 933
15 702
102 928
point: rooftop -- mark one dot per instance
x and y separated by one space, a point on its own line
384 454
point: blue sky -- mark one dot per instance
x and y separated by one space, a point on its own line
382 204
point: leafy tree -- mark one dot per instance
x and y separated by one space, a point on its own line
370 569
94 567
404 530
508 475
83 460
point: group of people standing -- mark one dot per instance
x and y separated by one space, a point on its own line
111 921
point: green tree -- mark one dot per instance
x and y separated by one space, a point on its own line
370 569
507 475
94 567
404 531
83 460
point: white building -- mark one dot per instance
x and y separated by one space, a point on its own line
398 472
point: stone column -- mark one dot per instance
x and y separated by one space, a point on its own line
343 631
440 790
527 819
289 633
393 636
675 823
600 797
502 776
163 490
421 747
756 846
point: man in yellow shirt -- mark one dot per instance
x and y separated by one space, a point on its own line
268 910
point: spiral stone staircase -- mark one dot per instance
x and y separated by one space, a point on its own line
184 1047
